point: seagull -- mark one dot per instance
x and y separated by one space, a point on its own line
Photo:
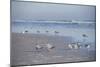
70 46
38 46
84 35
38 31
77 45
87 45
56 32
46 31
74 45
25 31
49 46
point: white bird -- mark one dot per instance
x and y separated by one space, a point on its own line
70 46
38 47
76 46
23 32
87 45
49 46
79 44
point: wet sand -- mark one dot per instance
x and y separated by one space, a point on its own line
23 51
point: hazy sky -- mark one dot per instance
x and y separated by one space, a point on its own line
43 11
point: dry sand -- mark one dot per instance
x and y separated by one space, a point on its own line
23 50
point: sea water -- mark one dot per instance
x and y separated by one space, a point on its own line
79 31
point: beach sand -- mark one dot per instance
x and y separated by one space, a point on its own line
23 51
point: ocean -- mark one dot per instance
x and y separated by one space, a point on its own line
75 30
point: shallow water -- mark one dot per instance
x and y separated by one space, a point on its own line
76 30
